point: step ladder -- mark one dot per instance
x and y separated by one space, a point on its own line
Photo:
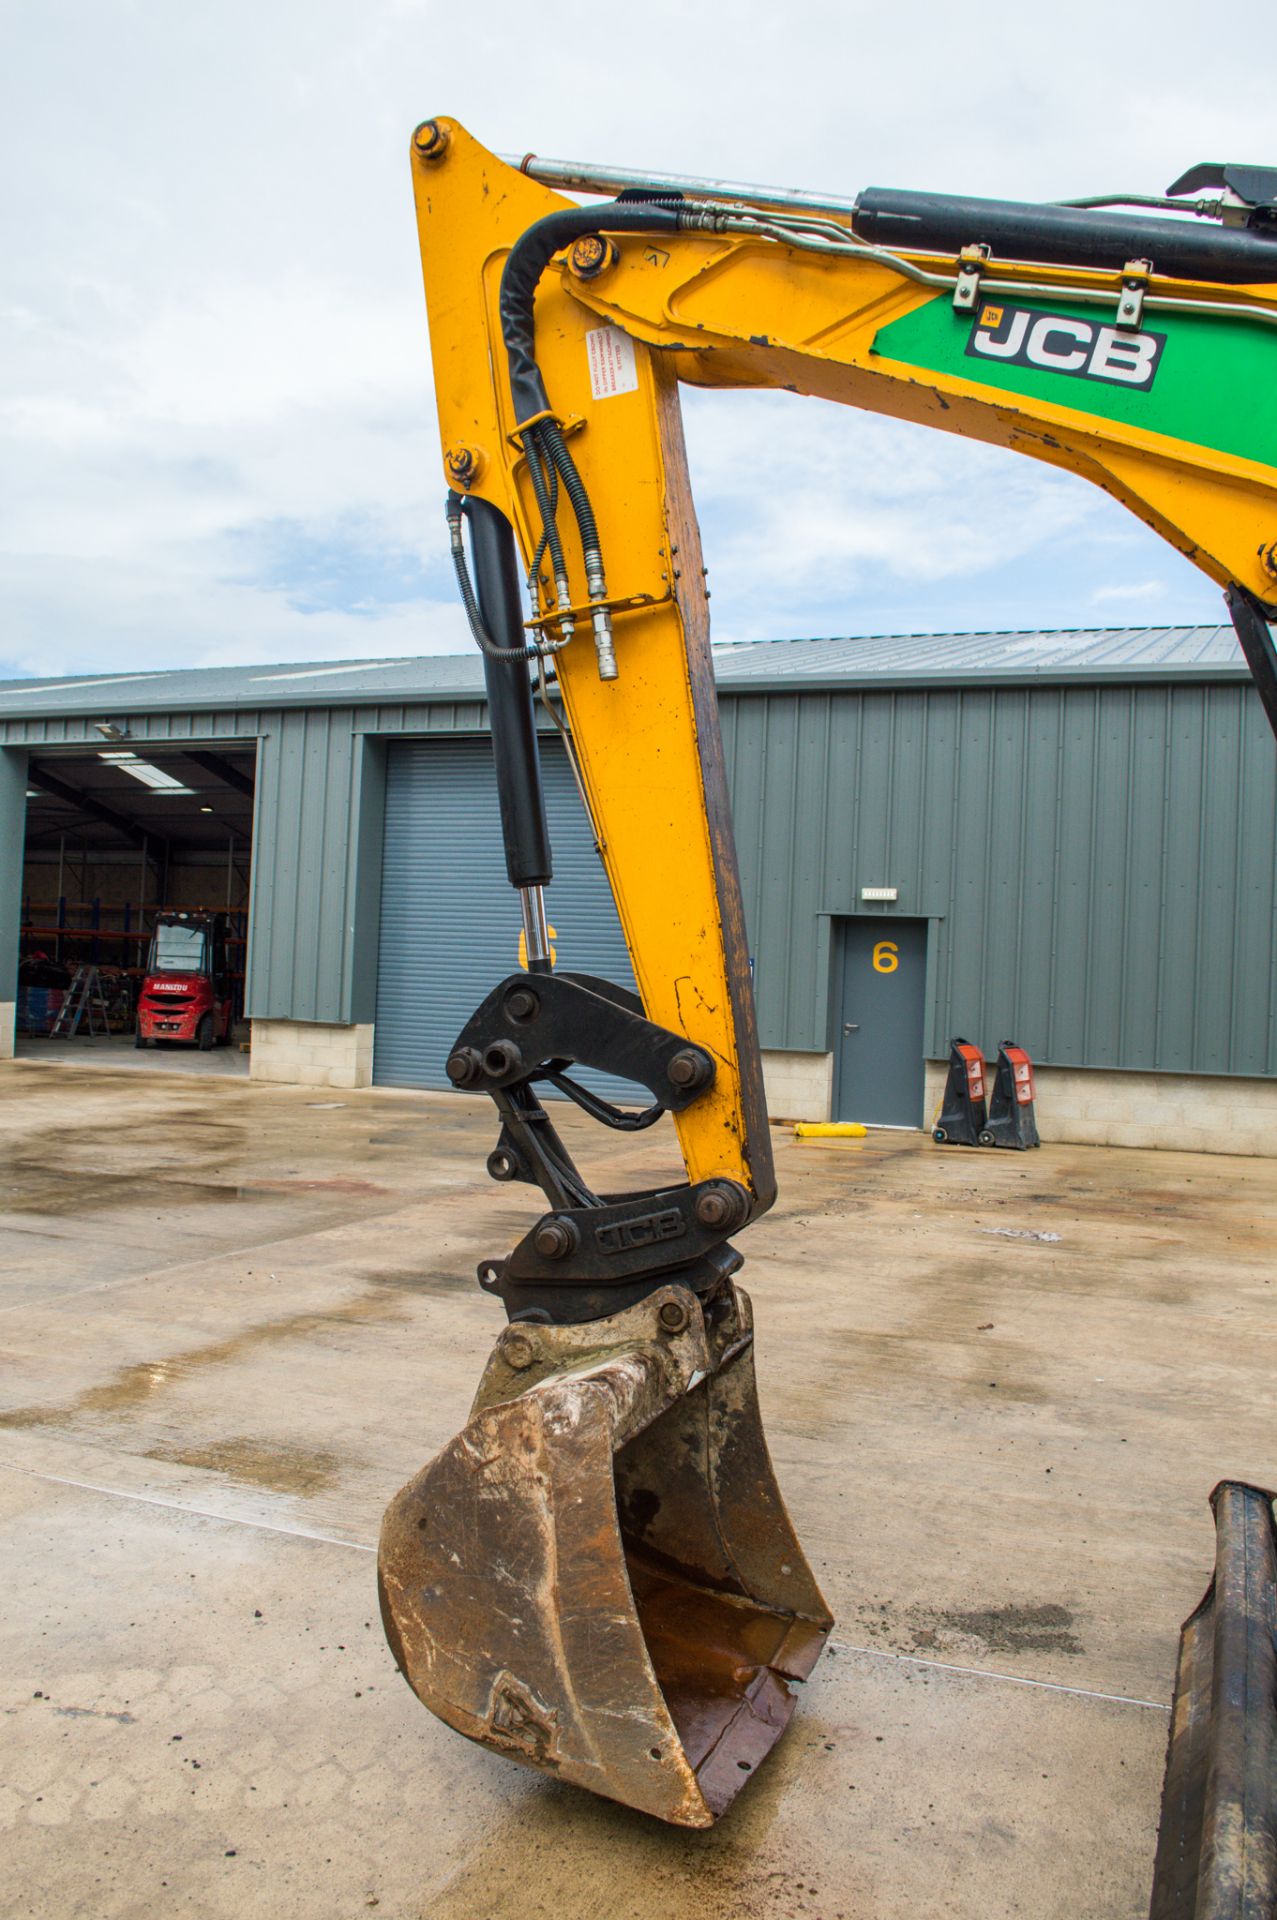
84 997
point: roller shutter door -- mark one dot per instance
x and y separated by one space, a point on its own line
449 917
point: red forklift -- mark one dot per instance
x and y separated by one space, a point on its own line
186 992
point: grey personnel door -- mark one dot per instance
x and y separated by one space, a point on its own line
879 1008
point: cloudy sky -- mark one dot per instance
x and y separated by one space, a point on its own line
217 435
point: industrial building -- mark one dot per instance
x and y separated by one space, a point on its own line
1065 839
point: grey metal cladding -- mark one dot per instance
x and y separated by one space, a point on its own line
206 695
1097 862
1092 835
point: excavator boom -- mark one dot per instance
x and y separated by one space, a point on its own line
598 1576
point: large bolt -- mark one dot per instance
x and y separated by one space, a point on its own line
721 1207
430 141
501 1058
673 1316
517 1351
1268 559
590 255
555 1239
690 1069
522 1004
463 465
464 1067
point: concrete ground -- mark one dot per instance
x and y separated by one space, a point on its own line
118 1050
236 1317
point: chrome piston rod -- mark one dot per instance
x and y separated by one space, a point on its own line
584 176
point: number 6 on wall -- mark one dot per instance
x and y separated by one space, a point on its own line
886 956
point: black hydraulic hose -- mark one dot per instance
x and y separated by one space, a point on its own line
600 1109
545 485
528 259
573 485
465 586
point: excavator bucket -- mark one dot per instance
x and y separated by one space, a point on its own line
1217 1844
598 1576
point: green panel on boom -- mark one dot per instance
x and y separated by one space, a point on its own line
1215 384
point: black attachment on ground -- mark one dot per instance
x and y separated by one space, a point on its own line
514 738
1251 619
1217 1837
962 1111
1012 1121
1064 236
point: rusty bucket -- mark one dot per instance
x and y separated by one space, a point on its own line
598 1576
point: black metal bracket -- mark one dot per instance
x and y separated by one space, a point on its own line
537 1023
593 1253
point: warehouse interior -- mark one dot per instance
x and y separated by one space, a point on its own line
113 837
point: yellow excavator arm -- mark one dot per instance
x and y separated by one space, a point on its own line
1160 389
616 1431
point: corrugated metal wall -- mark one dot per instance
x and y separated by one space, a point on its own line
1098 862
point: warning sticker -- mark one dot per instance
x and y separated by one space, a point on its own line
612 368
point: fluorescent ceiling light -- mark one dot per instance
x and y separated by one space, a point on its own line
153 777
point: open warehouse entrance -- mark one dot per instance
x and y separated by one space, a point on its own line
121 840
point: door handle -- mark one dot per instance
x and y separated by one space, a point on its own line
851 1026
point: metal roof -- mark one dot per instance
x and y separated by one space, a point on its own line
1118 654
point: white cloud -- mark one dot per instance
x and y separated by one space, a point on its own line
214 357
1146 590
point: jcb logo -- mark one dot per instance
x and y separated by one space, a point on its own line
643 1231
1059 343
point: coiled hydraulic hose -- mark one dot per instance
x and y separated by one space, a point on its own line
541 432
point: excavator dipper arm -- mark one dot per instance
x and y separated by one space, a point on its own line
598 1576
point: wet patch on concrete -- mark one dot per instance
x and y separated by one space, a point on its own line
1010 1629
975 1632
138 1385
423 1280
352 1187
52 1191
259 1463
